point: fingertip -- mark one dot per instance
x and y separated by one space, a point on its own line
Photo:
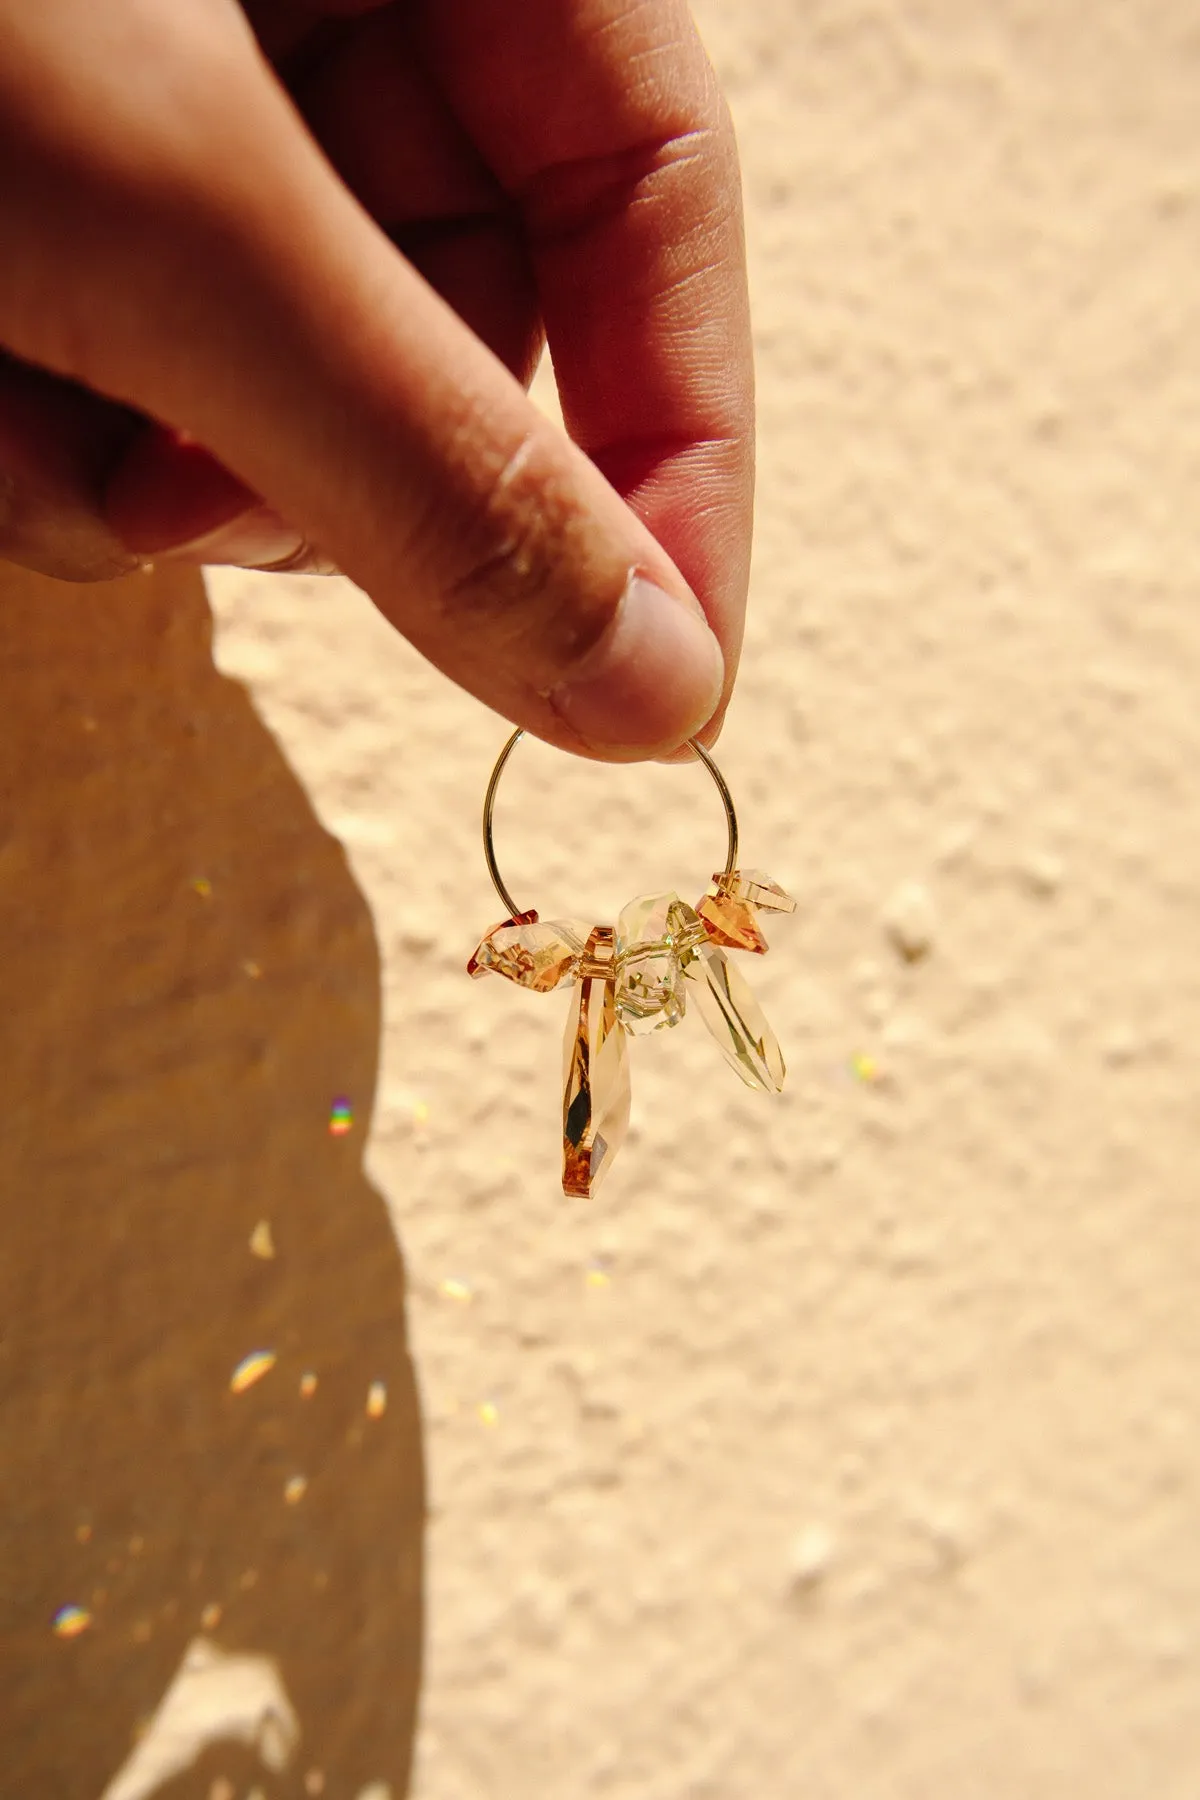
650 682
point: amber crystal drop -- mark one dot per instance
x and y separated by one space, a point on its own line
538 954
735 1019
595 1072
475 968
731 923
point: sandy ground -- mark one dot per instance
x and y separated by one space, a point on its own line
864 1463
847 1446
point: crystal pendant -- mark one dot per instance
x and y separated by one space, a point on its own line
595 1072
754 886
653 935
636 979
735 1019
731 904
535 954
476 968
731 923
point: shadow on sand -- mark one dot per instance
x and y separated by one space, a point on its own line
188 983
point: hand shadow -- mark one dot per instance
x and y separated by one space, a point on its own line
188 982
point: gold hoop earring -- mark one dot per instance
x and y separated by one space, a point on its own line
635 978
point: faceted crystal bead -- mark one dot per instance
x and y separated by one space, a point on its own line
731 923
542 955
735 1019
653 935
754 886
595 1073
476 969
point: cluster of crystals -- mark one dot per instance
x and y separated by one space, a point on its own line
638 979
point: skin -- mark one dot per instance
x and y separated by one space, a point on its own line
275 279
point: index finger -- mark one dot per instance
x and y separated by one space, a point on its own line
603 120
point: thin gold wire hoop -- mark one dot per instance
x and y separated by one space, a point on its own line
489 802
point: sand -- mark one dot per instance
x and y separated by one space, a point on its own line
846 1446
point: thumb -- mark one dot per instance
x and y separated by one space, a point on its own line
206 266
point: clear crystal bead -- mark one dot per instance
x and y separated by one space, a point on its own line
655 935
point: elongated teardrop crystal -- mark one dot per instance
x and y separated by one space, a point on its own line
541 954
653 934
595 1072
735 1019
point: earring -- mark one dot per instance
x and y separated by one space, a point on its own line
637 978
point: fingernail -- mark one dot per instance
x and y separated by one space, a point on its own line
256 540
654 678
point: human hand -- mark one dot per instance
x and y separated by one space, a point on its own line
275 276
